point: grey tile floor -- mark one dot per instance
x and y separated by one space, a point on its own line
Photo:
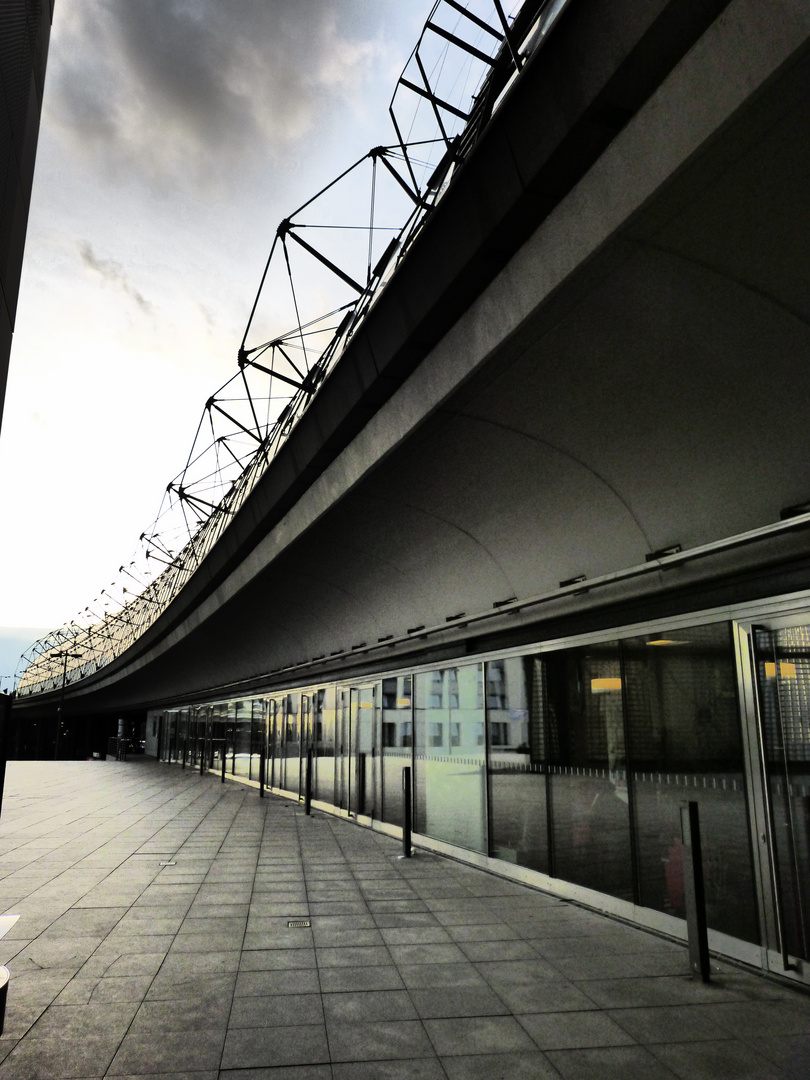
424 969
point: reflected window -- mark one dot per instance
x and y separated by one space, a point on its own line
450 777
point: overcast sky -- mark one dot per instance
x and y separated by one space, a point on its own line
175 135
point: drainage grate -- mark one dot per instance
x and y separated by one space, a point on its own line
298 923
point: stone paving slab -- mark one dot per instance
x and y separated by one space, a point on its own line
421 969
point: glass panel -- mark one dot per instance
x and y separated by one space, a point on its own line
365 761
517 782
579 698
206 746
258 711
242 718
324 740
193 736
292 744
168 728
450 756
783 669
397 744
182 735
686 744
274 745
219 727
305 727
343 750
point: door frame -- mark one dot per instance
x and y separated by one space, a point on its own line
775 958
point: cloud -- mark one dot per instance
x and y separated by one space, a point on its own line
112 272
197 92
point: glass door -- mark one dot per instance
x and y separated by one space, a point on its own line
782 667
362 729
343 750
272 779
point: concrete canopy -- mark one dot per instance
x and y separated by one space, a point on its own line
634 378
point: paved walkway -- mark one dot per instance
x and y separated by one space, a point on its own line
422 969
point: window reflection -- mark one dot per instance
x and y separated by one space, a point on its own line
324 706
686 743
450 770
517 781
577 698
292 745
397 742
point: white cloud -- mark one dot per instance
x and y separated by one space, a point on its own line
196 92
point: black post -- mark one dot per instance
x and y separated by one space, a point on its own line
159 753
5 975
262 767
224 749
694 894
185 746
308 784
406 806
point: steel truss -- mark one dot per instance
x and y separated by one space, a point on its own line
466 58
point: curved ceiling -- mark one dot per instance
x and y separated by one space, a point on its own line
656 397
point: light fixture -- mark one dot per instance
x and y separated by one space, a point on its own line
666 641
605 685
663 553
787 670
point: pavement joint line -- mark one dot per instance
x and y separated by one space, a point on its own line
324 857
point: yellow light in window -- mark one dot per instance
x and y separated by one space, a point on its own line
403 702
667 641
603 686
786 669
366 704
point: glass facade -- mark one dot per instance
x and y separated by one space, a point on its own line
573 761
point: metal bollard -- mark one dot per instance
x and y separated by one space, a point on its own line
262 770
224 755
694 894
5 975
406 807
